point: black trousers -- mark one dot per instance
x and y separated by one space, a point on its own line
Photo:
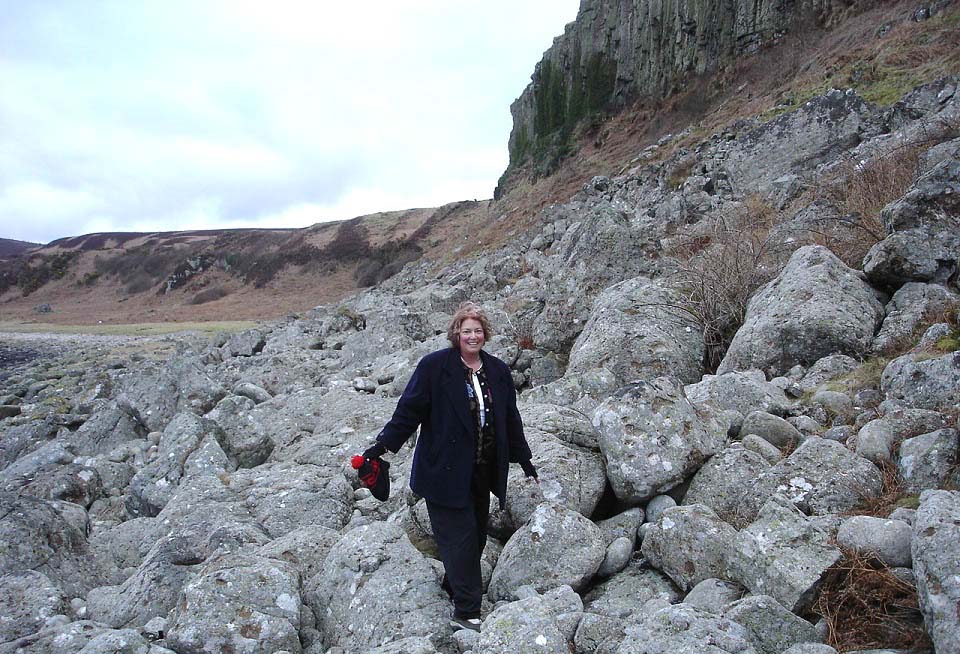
461 534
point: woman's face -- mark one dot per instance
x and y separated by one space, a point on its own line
471 336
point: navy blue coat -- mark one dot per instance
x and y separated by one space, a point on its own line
435 399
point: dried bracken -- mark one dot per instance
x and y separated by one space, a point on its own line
867 606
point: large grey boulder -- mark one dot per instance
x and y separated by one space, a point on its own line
713 595
926 462
682 629
189 444
923 383
34 535
305 548
556 547
773 429
722 481
564 422
27 599
625 594
83 637
689 544
888 540
244 442
782 554
244 344
826 369
936 564
821 476
876 439
913 305
71 482
739 391
570 475
815 307
652 438
156 392
103 431
152 590
772 627
238 603
527 625
374 588
923 228
638 329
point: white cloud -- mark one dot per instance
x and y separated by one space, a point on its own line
178 115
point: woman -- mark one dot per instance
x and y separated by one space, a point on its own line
464 402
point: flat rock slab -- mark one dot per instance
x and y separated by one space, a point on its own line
936 564
689 544
782 554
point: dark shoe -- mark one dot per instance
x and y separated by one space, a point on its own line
465 623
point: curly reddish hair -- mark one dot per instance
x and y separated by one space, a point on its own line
465 311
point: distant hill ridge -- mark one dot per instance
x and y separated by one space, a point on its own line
10 247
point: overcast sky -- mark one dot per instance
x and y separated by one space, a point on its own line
169 115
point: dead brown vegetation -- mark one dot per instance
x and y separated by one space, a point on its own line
866 606
718 269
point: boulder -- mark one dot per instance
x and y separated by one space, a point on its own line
722 481
103 431
739 391
556 547
689 544
186 446
652 438
156 392
713 595
827 369
243 442
152 590
563 422
616 557
374 588
820 477
936 563
83 637
27 599
682 629
657 505
527 625
782 554
912 306
815 307
925 462
876 439
72 482
305 548
639 330
244 344
569 475
923 228
772 627
923 383
251 392
771 428
34 535
888 540
622 525
238 603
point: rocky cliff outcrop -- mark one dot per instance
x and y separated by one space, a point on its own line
617 50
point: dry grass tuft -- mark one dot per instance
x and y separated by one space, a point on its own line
861 190
718 271
891 496
866 606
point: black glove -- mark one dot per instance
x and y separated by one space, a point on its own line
528 468
375 451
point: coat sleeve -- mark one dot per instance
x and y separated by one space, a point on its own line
413 408
517 443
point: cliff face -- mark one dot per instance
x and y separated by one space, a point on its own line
620 49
